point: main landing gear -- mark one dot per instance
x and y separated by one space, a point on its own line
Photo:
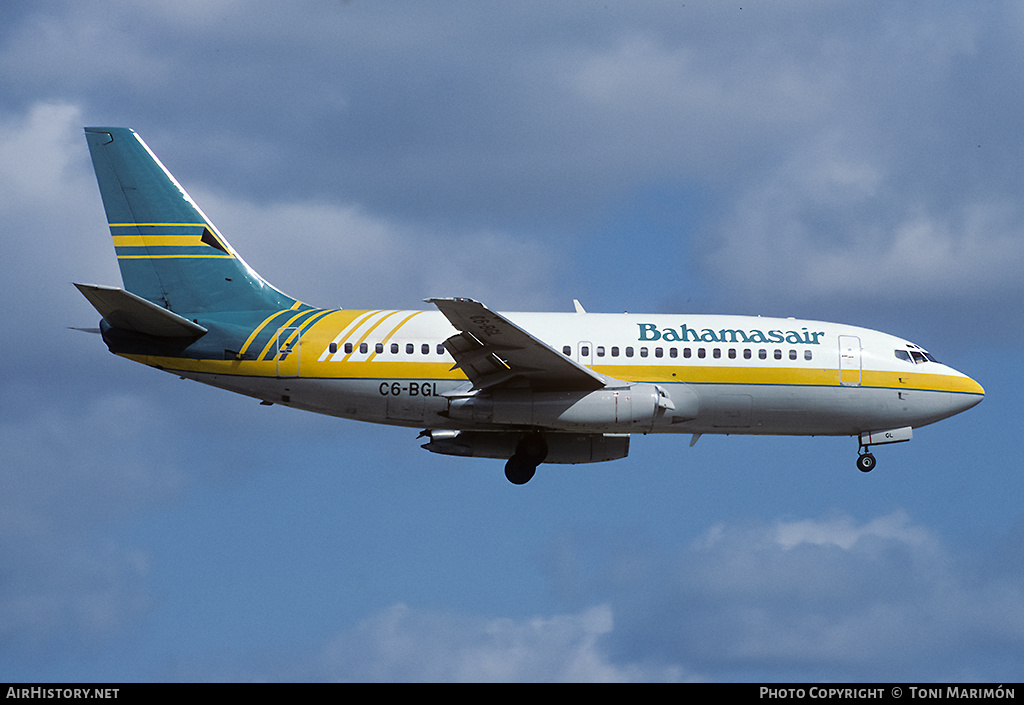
530 452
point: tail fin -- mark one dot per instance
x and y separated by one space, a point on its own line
168 250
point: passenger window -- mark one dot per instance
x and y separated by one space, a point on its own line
659 352
348 348
702 353
747 353
333 348
394 348
716 353
409 348
778 354
566 350
615 351
584 350
686 352
792 354
673 352
378 348
762 354
440 348
363 347
643 352
629 352
425 348
732 353
599 350
807 355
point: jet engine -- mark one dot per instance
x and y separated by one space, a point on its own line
631 408
565 448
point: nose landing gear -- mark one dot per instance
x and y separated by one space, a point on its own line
865 461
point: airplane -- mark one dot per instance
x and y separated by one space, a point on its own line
527 388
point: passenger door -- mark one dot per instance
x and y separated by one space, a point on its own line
849 361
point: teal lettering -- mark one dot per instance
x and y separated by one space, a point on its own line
732 336
685 334
648 331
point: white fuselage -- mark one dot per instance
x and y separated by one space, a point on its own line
723 374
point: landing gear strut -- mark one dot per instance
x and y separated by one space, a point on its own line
530 452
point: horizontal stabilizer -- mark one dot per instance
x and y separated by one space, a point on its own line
123 309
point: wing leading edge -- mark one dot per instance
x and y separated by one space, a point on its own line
493 351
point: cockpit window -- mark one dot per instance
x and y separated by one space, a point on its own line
915 356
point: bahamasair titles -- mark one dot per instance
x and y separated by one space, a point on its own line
526 388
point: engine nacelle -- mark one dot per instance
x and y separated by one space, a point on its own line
628 409
565 448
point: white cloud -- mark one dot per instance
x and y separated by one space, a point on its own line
55 232
835 597
413 645
834 221
337 254
822 599
845 533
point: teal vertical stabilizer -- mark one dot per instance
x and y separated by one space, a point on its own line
168 250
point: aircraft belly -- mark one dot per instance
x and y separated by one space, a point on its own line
810 410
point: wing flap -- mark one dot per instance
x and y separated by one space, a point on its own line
493 351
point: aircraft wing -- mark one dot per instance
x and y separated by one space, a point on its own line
493 351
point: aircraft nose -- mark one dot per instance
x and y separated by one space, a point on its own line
968 394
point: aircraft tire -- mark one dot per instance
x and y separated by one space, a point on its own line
533 448
866 462
519 470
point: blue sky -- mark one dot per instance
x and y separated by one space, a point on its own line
858 162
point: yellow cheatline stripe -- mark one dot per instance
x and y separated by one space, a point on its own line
789 376
383 369
157 225
268 368
394 330
261 326
400 369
